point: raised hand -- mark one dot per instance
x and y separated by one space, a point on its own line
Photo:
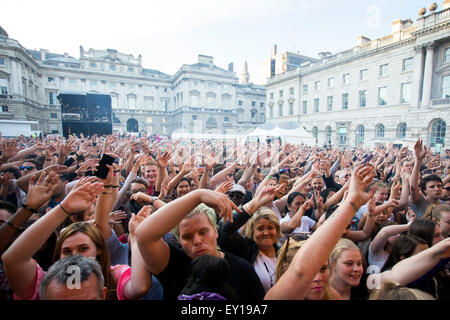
420 150
83 195
136 219
40 189
359 182
116 217
9 149
410 215
225 187
163 159
219 202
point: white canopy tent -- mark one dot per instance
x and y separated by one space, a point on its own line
292 136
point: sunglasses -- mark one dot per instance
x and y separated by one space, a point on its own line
447 188
27 167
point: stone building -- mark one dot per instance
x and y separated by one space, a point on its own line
392 89
200 97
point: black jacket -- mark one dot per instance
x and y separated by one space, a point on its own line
231 241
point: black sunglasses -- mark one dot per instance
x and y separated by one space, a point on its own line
27 167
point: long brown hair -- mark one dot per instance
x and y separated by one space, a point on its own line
103 257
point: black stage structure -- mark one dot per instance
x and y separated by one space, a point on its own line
86 113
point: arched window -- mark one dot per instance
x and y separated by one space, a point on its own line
359 134
438 127
132 125
211 123
401 130
328 135
379 131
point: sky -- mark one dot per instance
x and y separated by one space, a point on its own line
170 33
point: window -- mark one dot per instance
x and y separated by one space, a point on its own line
445 87
438 128
50 79
383 70
54 115
362 98
330 103
345 101
271 95
316 105
52 98
114 100
53 128
382 96
379 131
195 83
240 103
405 96
447 55
4 109
194 117
149 120
280 110
165 90
305 88
131 102
112 67
317 85
253 104
131 85
359 134
73 82
4 86
305 106
330 82
315 132
407 64
226 119
2 61
261 104
130 69
363 74
346 78
291 108
163 120
93 65
112 85
401 130
291 90
271 111
328 135
281 93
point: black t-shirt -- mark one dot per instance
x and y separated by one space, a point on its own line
242 277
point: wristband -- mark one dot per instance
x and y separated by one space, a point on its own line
115 186
108 186
12 225
28 208
65 211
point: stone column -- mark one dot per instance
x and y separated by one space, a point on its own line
417 76
428 74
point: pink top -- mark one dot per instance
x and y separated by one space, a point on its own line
121 272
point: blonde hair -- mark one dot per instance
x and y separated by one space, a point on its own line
341 246
200 209
434 211
391 291
285 256
263 212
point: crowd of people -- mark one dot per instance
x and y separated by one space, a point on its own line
194 219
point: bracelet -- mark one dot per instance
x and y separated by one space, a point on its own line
115 171
28 208
354 206
48 159
65 211
106 192
108 186
115 186
12 225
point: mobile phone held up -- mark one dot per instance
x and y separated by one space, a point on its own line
368 158
102 169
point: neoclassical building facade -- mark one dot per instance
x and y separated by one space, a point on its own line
200 97
392 89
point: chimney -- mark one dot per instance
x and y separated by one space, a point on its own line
231 67
206 59
362 40
43 54
274 50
